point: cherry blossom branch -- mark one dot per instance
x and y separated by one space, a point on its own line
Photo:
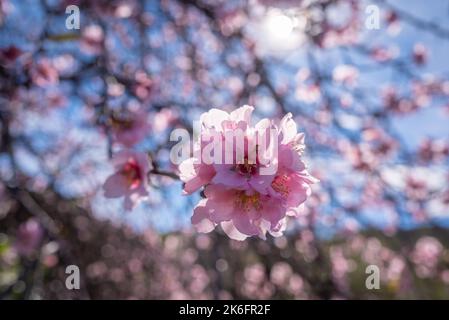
165 173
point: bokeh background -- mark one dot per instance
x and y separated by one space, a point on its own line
373 103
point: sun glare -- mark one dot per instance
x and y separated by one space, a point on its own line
278 25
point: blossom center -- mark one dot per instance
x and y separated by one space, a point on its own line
246 168
248 202
131 172
280 184
121 122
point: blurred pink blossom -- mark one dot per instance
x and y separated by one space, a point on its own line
44 73
129 127
92 39
9 55
28 238
345 74
426 254
420 54
130 179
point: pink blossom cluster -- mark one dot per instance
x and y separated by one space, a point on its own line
241 197
130 179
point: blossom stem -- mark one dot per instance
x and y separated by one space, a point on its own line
165 173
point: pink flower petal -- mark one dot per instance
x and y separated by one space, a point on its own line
232 232
115 186
200 218
242 114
